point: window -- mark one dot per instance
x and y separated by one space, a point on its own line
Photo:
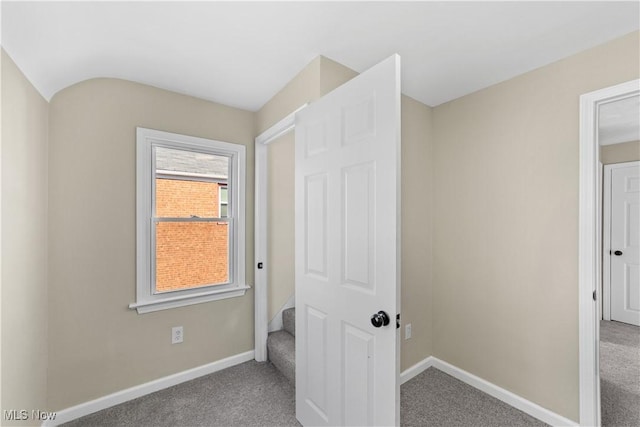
190 220
224 200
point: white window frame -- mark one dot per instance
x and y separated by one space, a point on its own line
147 300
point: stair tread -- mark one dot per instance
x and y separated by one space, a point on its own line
289 320
281 348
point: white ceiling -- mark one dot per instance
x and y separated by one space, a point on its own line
242 53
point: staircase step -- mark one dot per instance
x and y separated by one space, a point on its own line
281 348
289 320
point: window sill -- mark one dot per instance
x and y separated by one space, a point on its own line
184 300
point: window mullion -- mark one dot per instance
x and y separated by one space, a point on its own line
178 219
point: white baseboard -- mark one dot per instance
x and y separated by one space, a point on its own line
500 393
276 323
416 369
122 396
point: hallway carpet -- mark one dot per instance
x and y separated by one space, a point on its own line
619 374
256 394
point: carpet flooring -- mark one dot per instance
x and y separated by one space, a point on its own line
257 394
434 398
619 374
249 394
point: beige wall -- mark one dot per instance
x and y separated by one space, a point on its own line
618 153
24 243
318 78
280 222
98 345
333 74
321 76
417 231
303 88
506 225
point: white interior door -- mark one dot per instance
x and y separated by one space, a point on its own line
625 243
347 263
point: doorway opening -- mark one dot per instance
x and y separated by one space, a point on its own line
620 293
261 268
590 244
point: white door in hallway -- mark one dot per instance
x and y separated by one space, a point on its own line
625 242
347 262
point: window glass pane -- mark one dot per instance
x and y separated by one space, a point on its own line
224 198
186 199
191 254
188 183
224 201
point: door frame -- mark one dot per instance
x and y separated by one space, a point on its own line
606 235
261 236
590 245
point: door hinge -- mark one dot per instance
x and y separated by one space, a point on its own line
595 297
397 320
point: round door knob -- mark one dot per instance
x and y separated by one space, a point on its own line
618 253
380 319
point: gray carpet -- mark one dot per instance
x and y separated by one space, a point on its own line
619 374
434 398
256 394
250 394
281 348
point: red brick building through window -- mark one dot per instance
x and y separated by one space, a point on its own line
192 235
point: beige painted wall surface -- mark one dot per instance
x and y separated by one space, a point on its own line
333 74
303 88
618 153
24 243
318 78
99 345
417 231
506 225
280 222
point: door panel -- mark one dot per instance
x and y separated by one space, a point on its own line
625 244
358 184
358 379
347 252
316 230
316 393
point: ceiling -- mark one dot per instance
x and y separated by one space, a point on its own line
242 53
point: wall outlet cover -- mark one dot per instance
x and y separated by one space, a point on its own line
177 335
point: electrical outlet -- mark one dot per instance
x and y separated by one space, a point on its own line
177 335
407 331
